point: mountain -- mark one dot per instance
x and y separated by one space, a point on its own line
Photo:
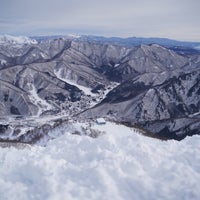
135 41
16 40
149 86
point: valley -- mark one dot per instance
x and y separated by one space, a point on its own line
54 80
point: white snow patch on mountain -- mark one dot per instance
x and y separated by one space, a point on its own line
120 164
86 90
41 103
43 55
74 35
7 39
3 62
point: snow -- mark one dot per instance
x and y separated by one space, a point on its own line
35 99
74 35
194 114
145 48
120 164
43 55
86 90
3 62
6 39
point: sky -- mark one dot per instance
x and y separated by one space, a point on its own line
175 19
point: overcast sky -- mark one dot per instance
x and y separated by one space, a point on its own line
176 19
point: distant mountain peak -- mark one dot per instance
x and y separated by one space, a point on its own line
18 40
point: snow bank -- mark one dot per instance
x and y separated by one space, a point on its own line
118 165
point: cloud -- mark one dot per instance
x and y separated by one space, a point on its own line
173 18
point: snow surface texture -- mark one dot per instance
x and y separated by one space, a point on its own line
120 164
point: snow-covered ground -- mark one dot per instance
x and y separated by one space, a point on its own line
86 90
120 164
39 102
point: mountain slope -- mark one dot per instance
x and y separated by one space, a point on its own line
168 110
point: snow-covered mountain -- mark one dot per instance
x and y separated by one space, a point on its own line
149 86
14 40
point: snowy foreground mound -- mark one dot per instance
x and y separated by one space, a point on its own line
117 165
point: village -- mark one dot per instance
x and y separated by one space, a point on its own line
67 113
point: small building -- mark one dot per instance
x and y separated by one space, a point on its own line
100 121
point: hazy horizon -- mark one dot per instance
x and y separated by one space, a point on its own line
173 19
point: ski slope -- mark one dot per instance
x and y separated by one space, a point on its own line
120 164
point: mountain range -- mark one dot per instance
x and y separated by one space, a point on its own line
152 84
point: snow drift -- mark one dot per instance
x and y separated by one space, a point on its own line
120 164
